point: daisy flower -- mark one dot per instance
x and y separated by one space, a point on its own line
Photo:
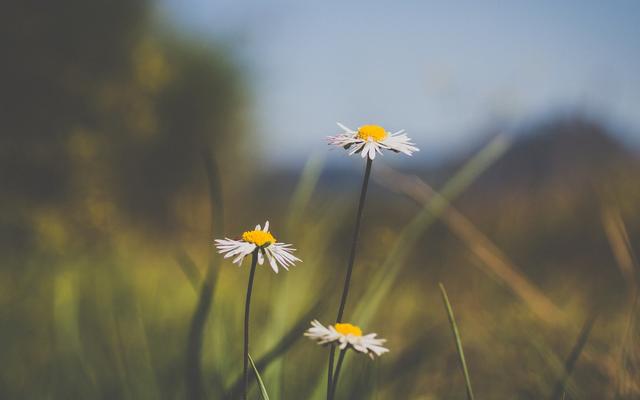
261 239
371 139
346 335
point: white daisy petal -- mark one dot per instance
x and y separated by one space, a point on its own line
400 143
357 147
346 336
234 248
371 139
278 254
372 151
260 258
272 262
344 128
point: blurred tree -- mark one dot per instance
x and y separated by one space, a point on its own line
103 114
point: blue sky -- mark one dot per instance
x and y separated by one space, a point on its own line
445 71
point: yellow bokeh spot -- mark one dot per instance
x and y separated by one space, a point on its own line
259 238
374 132
348 329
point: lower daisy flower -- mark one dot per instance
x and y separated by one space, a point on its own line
371 139
347 336
259 238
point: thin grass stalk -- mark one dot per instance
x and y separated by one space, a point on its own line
456 334
572 360
493 260
302 195
285 343
247 308
337 373
352 258
193 370
189 268
626 260
380 284
263 389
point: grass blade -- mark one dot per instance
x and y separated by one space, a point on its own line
493 261
263 390
456 334
292 335
382 282
189 268
304 190
193 371
572 360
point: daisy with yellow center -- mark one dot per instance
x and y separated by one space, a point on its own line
278 254
259 243
371 139
346 336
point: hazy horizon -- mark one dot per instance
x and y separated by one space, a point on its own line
443 72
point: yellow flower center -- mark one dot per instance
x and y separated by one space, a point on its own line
259 238
348 329
374 132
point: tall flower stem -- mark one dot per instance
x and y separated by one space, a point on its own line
247 307
352 258
337 373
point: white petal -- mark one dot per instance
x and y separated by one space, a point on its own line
260 258
400 142
234 248
348 130
272 261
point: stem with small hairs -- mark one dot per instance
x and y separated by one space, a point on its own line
247 306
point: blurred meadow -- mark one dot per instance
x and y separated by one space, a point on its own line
133 133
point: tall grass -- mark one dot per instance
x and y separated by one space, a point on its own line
113 322
458 340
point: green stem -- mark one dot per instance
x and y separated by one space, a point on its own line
456 334
193 371
337 374
352 258
354 242
247 306
332 355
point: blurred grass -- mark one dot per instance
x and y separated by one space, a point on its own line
382 282
113 321
106 239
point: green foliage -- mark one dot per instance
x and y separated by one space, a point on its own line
105 229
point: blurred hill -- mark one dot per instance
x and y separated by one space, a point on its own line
544 201
574 151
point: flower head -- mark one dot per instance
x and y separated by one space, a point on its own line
347 335
371 139
262 241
